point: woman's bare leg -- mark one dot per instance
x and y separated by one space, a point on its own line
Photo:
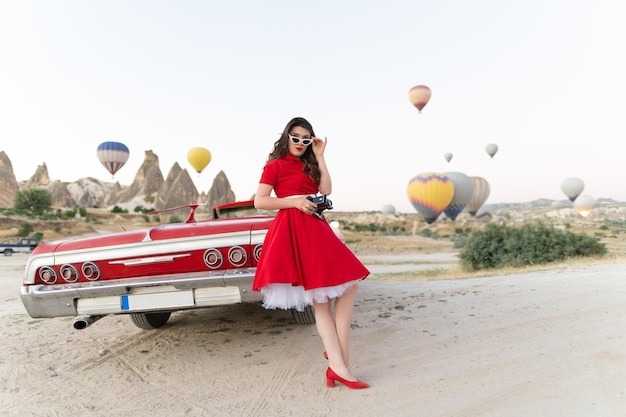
344 306
335 332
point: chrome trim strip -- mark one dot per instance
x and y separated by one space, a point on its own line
150 260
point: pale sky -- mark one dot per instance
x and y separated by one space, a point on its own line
543 79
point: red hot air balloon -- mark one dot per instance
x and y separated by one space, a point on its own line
419 96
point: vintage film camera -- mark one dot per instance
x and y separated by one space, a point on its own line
322 202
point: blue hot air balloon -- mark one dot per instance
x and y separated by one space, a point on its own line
113 155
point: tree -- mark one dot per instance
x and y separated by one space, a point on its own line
25 229
35 200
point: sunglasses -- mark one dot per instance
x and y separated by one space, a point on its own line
296 140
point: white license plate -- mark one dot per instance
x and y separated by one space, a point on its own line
161 300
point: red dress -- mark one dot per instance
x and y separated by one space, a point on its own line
302 259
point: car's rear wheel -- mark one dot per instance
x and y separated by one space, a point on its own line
150 320
8 252
304 317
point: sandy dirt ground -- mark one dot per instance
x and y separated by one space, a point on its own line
547 343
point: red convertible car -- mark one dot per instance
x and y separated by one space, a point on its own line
150 273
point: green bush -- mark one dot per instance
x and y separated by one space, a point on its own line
33 200
460 241
498 246
428 233
25 229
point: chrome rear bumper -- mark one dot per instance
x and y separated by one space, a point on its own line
155 293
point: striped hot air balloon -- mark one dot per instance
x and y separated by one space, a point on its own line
419 96
480 194
113 155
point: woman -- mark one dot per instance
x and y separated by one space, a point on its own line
303 262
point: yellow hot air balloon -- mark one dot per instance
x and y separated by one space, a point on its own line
419 96
430 193
199 158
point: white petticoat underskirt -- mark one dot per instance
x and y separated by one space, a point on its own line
287 296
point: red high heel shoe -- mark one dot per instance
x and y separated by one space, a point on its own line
331 377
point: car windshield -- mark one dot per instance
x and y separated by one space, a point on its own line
243 211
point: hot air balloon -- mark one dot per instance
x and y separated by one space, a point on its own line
419 96
491 149
584 204
430 193
572 187
463 190
479 195
447 156
389 209
199 158
113 155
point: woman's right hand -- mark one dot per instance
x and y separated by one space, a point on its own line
304 205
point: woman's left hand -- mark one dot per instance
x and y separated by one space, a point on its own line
319 145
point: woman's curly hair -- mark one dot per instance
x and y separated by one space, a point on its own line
281 148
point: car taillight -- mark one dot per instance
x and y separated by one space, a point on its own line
237 256
91 271
213 258
48 275
257 252
69 273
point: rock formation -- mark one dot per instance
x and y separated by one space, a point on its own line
177 190
147 181
219 193
148 190
8 184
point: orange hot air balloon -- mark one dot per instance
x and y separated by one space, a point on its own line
430 193
199 158
419 96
